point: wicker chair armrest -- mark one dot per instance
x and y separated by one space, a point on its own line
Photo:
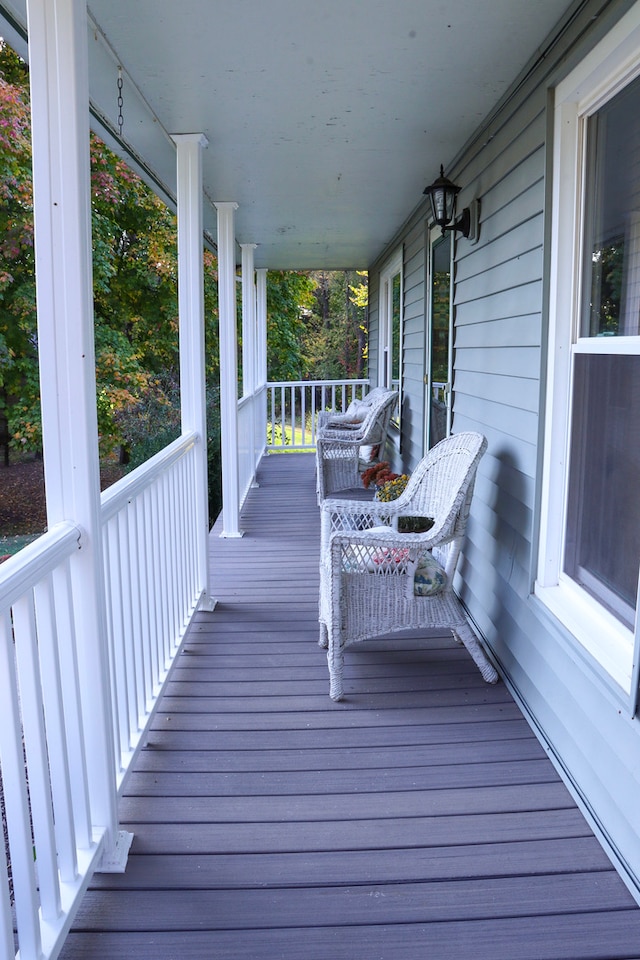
343 433
327 441
347 516
350 522
415 543
377 511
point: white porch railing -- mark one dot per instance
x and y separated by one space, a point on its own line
150 562
292 407
152 588
251 440
53 844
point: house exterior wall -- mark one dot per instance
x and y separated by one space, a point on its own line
501 293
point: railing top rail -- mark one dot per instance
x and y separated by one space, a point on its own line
129 487
363 382
36 560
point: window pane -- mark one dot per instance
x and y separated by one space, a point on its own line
612 224
440 314
440 299
603 523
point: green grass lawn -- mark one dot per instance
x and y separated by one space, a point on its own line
11 545
301 438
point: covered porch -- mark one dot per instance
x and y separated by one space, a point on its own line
189 788
419 817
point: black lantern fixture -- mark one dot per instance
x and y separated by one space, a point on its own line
442 194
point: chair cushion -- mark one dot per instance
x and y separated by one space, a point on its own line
357 409
353 415
368 452
429 578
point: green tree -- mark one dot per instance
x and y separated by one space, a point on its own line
135 295
135 289
359 296
134 269
335 340
289 302
18 344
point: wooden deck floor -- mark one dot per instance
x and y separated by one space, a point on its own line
420 819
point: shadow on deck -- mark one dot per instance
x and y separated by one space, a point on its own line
419 818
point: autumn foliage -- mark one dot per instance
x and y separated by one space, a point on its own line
134 238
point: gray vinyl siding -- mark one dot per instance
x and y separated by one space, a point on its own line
500 315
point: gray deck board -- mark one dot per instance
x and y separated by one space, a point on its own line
419 818
405 903
580 936
280 870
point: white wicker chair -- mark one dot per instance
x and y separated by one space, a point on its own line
338 449
339 419
368 568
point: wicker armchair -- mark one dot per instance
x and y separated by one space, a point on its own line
334 418
338 448
376 580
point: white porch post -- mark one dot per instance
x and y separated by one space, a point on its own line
261 357
248 320
228 369
193 401
261 325
249 345
62 214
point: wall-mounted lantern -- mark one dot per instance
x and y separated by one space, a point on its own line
442 194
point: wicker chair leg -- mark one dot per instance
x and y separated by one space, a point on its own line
335 659
465 635
324 636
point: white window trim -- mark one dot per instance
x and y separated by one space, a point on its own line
391 268
610 66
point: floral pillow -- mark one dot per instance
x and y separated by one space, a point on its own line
429 578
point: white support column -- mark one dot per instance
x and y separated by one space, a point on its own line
249 348
228 369
261 325
261 358
62 214
248 320
193 400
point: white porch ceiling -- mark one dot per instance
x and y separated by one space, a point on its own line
325 118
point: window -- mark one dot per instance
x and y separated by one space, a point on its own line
590 530
390 364
439 338
602 545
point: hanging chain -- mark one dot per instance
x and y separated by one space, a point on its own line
120 102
